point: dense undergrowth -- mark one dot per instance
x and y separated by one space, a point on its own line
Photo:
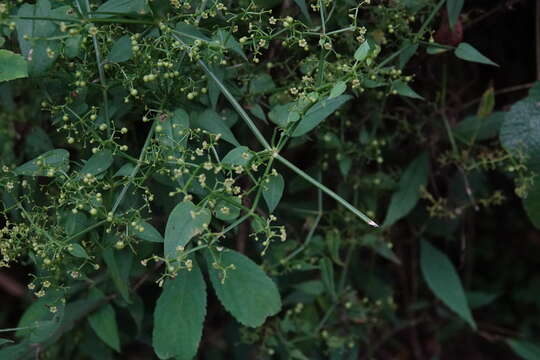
267 179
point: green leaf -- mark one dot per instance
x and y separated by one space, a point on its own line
520 131
189 33
246 291
228 41
42 323
407 194
303 8
37 142
78 251
179 316
409 49
98 163
327 274
525 349
318 112
238 156
282 115
442 278
339 88
226 211
72 46
467 52
210 121
453 7
531 203
103 322
479 128
12 66
261 84
174 135
487 103
273 191
47 164
5 341
111 259
113 7
362 52
121 50
150 233
403 89
185 221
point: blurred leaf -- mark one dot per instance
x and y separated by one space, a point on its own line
409 49
239 156
179 315
362 52
339 88
12 66
525 349
150 233
78 251
327 274
478 128
117 7
53 160
110 257
442 278
467 52
210 121
487 103
245 278
408 192
404 90
121 50
453 7
98 163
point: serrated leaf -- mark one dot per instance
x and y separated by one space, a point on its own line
121 50
238 156
12 66
246 278
179 315
210 121
442 278
453 8
55 160
318 112
273 191
404 199
103 322
520 131
339 88
403 89
98 163
150 233
185 221
362 52
467 52
525 349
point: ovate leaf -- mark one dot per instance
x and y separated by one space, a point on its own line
47 164
467 52
111 259
339 88
245 291
442 278
318 112
12 66
210 121
520 131
149 233
103 322
98 163
113 7
273 191
238 156
405 90
121 50
408 192
362 52
179 316
185 221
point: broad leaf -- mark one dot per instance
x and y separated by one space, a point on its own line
408 192
47 164
442 278
121 50
467 52
525 349
103 322
246 291
520 131
362 52
149 233
318 112
405 90
12 66
185 221
174 135
98 163
113 7
273 191
238 156
78 251
179 316
210 121
111 259
339 88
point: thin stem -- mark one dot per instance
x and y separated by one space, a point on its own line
435 10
